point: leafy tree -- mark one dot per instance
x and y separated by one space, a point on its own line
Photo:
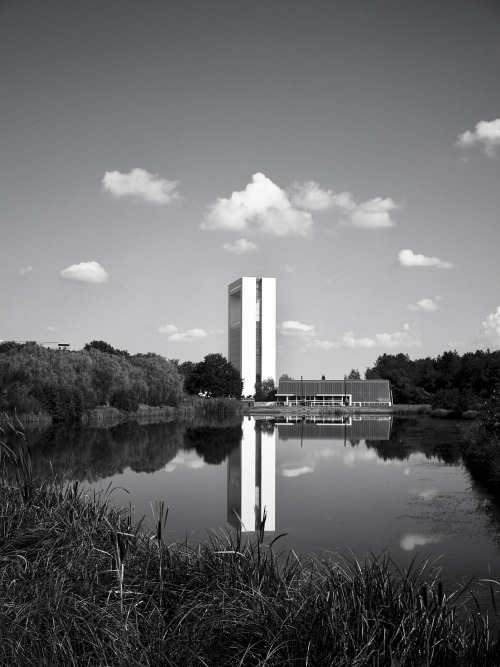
265 390
354 375
285 377
102 346
215 376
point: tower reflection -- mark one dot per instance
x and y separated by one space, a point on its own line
251 478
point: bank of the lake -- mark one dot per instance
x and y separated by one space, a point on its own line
81 585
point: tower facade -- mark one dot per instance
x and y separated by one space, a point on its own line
252 329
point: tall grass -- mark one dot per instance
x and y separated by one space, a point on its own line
82 585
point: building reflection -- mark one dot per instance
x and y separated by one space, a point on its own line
251 466
251 479
340 428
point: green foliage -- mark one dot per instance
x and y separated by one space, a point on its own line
481 450
216 377
65 384
102 346
449 381
354 375
285 377
265 390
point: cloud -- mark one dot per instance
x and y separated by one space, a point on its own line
85 272
240 247
51 329
140 184
177 336
24 270
311 197
371 214
397 339
296 472
409 541
374 213
294 328
408 258
261 207
491 329
486 133
424 304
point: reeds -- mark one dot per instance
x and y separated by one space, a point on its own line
81 584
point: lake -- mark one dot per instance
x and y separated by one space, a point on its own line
348 485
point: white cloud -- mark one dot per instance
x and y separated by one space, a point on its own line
51 329
24 270
311 197
140 184
85 272
491 329
372 214
261 206
296 472
402 338
408 258
486 133
177 336
424 304
294 328
409 541
240 247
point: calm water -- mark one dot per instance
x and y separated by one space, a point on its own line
360 485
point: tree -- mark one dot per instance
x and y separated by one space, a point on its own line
265 390
354 375
102 346
216 377
285 377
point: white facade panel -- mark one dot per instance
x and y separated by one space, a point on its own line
252 329
268 329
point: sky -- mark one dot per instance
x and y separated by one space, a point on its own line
153 152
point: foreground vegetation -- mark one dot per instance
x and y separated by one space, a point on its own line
82 585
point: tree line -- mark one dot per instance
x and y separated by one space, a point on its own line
451 381
64 384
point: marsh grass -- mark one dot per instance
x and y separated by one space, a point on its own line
82 584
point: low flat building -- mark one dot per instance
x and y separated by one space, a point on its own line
347 393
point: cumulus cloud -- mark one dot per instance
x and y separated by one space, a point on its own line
409 258
24 270
311 197
177 336
486 133
296 472
372 214
240 247
85 272
397 339
491 329
427 305
140 184
262 206
409 541
294 328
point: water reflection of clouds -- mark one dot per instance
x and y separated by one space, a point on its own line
410 541
424 494
296 472
184 460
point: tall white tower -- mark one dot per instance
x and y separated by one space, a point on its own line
252 329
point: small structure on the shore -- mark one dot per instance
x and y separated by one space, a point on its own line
346 393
